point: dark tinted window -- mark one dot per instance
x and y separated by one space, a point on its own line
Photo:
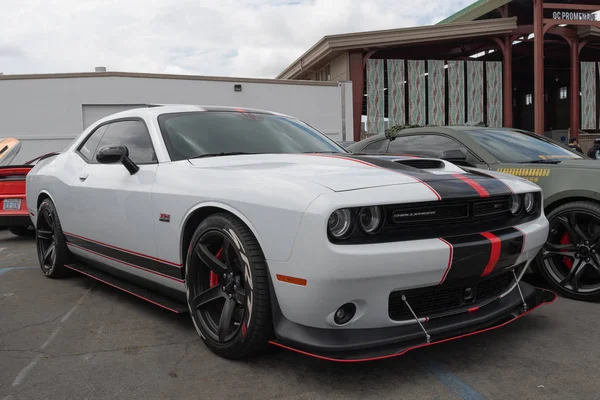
511 146
135 136
193 134
424 145
88 149
378 146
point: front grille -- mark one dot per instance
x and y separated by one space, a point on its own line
433 219
423 164
428 213
428 301
495 206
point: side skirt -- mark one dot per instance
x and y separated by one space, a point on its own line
150 296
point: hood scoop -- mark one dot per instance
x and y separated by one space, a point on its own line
422 163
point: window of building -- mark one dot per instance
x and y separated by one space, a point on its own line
528 99
563 94
323 74
135 136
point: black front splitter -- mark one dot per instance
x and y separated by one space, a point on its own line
359 345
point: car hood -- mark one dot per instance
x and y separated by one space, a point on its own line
351 172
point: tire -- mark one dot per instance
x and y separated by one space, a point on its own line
238 292
570 259
21 231
49 232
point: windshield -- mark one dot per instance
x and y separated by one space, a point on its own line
194 134
510 146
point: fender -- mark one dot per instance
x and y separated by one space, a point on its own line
576 194
33 209
222 206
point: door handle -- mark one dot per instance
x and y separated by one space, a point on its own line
83 176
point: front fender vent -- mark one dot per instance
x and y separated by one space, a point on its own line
423 164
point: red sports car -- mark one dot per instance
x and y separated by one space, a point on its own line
13 205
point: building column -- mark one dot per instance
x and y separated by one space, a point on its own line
538 66
357 76
575 99
508 82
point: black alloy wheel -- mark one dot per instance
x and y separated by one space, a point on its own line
46 240
50 241
227 288
570 258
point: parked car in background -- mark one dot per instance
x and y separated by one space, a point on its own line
13 205
345 144
267 231
570 181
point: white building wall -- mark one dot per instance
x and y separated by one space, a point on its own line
58 109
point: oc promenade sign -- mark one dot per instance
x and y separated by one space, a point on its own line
574 16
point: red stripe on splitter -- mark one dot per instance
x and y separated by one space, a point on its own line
449 261
494 254
478 188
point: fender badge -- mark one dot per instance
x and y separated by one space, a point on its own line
164 217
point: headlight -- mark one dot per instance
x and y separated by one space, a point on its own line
529 203
340 223
514 204
370 219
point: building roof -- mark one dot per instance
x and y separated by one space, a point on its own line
331 46
481 8
474 11
116 74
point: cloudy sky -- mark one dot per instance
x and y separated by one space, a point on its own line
250 38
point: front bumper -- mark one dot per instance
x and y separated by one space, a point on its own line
365 275
354 345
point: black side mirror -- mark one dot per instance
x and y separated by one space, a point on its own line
117 154
454 155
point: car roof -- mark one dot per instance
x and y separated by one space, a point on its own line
442 129
154 110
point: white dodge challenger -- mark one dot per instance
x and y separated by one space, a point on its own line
266 231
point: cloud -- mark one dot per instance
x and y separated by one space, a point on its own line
11 51
252 38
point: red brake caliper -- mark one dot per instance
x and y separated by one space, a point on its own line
214 278
566 240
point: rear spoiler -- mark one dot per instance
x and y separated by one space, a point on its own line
40 158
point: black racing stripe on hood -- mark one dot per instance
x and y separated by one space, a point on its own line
493 185
447 186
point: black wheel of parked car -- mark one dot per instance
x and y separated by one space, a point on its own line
570 259
228 288
50 241
21 231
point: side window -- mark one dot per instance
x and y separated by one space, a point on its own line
427 145
379 146
135 136
88 148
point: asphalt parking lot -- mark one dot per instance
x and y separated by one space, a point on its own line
78 338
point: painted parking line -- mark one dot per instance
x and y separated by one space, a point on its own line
4 270
449 380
